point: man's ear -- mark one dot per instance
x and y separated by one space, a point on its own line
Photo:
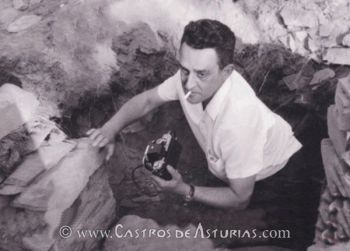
228 70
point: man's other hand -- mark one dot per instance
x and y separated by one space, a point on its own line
102 137
175 185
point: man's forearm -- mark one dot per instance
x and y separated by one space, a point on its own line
132 110
222 197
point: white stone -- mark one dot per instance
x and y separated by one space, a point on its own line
301 35
23 23
300 39
337 56
20 4
44 159
313 45
325 29
298 17
7 16
32 2
17 107
322 75
60 187
346 40
291 43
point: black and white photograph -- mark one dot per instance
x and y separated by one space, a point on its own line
173 125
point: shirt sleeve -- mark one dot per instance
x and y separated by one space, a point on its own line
168 89
242 151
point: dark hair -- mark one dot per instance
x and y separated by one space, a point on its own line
207 33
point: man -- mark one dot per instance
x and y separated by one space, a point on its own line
243 140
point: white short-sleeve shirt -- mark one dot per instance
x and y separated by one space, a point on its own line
239 134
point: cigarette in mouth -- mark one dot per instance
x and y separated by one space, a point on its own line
188 94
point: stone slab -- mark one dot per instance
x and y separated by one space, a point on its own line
23 23
333 168
44 159
337 136
17 107
322 75
337 56
342 102
294 17
346 40
20 4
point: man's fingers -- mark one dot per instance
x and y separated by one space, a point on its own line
172 171
110 151
160 182
90 131
95 134
103 142
98 140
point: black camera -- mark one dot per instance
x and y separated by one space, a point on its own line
162 152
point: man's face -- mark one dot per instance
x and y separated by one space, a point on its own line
200 73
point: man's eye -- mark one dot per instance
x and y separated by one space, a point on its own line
184 72
201 75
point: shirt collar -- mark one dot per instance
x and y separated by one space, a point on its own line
214 106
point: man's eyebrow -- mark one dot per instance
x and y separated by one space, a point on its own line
184 68
201 71
205 71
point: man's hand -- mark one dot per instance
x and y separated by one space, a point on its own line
175 185
102 137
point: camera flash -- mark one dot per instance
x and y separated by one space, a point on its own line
188 94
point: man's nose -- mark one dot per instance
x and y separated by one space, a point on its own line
190 82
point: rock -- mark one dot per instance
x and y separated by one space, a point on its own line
54 185
7 16
23 141
57 189
151 240
20 4
346 40
23 23
33 2
17 107
337 136
323 211
335 168
337 56
11 190
326 29
313 45
44 159
296 81
136 49
327 196
95 208
328 237
4 201
346 157
343 222
322 75
294 17
342 103
300 42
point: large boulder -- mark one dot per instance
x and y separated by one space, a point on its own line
17 107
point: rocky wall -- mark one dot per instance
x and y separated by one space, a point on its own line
316 29
333 224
